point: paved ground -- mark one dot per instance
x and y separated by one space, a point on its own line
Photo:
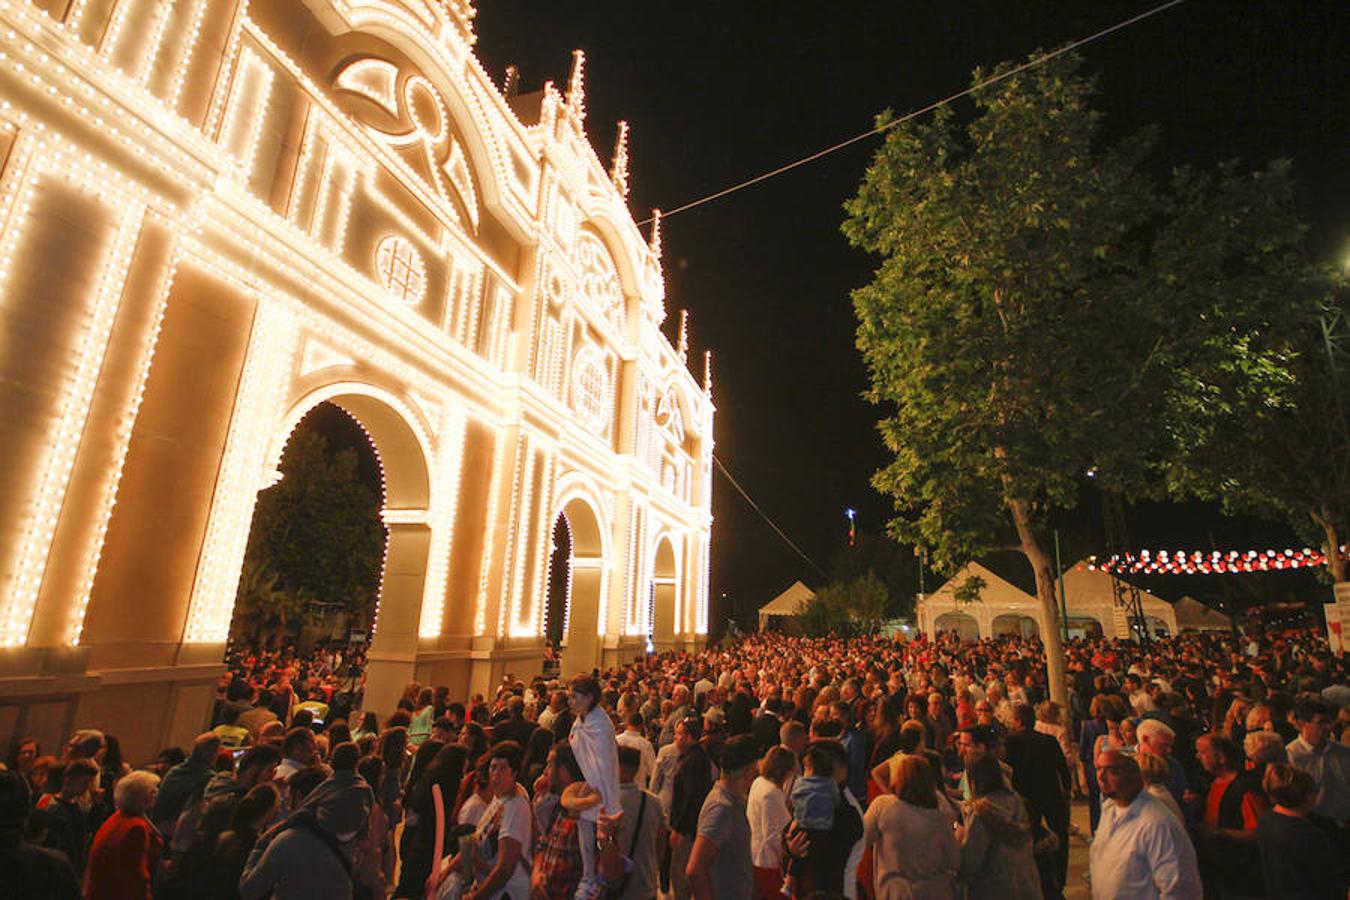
1076 886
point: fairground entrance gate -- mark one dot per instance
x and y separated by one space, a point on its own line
217 214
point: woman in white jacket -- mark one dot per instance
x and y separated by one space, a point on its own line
767 810
597 753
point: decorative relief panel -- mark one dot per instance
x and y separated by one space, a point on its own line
590 398
599 280
406 111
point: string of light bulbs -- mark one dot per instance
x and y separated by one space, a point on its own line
913 114
1214 562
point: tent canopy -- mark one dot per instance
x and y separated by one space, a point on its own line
788 603
1192 614
996 590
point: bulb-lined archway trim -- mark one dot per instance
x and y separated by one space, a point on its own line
580 503
401 439
664 613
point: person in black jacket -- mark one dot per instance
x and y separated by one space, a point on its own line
28 871
692 782
67 823
1298 859
1041 776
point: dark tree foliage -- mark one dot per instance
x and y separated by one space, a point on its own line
1043 308
317 538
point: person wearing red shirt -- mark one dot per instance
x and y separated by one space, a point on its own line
1233 805
126 850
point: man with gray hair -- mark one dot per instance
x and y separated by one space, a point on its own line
1158 738
679 702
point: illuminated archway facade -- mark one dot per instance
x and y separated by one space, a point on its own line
216 215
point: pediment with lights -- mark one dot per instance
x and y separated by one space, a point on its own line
404 110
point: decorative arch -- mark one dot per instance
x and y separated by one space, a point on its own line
400 436
663 613
404 450
425 32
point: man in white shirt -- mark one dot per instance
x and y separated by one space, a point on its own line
632 736
555 706
1327 761
1140 851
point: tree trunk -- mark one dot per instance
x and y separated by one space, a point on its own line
1055 669
1331 544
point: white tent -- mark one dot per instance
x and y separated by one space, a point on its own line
1192 615
1004 608
788 603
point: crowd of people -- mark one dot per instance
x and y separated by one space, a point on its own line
1211 765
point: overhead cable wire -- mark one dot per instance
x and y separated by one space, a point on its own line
887 126
763 515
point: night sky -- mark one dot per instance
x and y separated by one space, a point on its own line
719 92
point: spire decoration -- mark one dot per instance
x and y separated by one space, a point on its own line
655 243
619 173
683 347
576 87
511 86
707 372
548 108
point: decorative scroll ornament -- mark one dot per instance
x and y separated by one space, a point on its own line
410 115
599 279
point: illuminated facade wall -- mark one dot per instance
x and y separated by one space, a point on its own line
215 214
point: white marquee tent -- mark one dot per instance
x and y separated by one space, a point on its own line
1004 608
788 603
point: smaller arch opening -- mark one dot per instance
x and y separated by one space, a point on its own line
962 624
1015 625
663 599
572 622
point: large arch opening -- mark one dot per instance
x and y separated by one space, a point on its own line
1015 625
315 552
962 624
576 581
663 598
1084 627
392 463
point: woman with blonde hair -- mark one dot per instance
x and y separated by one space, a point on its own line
1155 770
913 835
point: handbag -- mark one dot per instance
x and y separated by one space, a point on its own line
617 886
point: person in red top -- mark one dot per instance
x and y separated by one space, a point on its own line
1233 804
126 850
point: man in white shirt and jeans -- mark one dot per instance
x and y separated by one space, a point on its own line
1140 850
